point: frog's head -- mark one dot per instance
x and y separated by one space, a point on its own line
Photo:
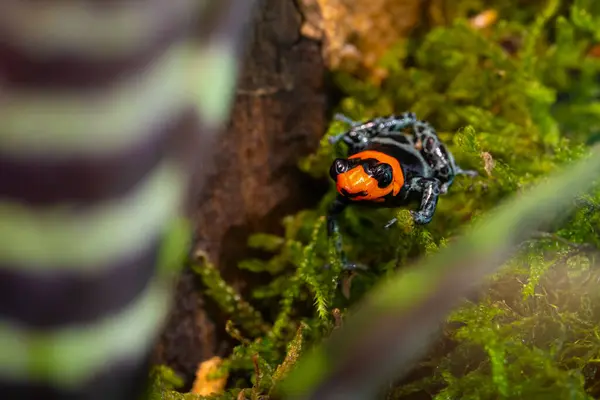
367 176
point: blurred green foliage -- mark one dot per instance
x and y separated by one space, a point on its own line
516 100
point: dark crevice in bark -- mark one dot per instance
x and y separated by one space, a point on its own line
279 115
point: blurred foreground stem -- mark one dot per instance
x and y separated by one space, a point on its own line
392 328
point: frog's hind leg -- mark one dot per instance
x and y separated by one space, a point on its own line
353 143
361 133
347 120
430 146
343 118
438 157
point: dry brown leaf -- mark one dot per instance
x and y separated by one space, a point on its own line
594 51
484 19
312 27
203 385
337 317
488 162
347 284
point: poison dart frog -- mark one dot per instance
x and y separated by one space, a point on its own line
387 167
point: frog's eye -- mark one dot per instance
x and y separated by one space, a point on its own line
339 166
384 175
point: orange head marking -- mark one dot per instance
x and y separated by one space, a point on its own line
368 175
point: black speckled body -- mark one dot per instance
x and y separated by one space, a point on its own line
387 167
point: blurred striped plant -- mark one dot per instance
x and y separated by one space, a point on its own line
105 108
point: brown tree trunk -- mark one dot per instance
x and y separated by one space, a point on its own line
278 117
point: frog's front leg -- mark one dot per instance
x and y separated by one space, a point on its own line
333 231
335 209
430 189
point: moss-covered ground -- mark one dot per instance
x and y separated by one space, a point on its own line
516 101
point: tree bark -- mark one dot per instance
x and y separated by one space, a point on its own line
278 117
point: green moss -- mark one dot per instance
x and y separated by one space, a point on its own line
228 299
515 116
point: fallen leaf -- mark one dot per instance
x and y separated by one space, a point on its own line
484 19
488 162
205 386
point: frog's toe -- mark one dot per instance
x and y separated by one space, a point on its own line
420 218
469 172
390 223
350 266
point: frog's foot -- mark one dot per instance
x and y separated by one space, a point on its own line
350 266
421 218
342 118
468 172
336 138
